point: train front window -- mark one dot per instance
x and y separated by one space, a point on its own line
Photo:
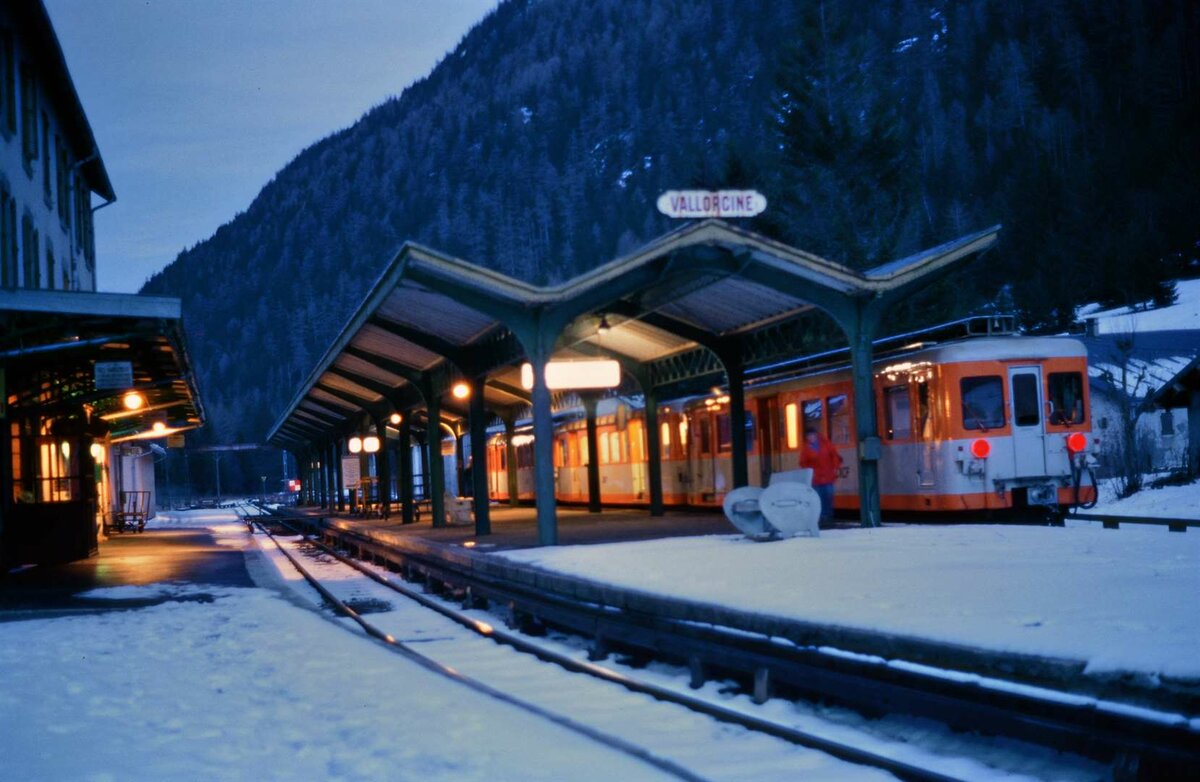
839 420
898 412
982 402
1066 398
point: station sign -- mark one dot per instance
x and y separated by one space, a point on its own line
712 203
113 374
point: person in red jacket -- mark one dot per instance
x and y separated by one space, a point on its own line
818 453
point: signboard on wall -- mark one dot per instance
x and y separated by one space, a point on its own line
175 441
350 470
712 203
113 374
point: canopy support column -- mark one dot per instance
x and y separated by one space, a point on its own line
510 459
543 453
861 332
479 478
736 375
436 487
593 454
383 468
340 475
653 450
406 472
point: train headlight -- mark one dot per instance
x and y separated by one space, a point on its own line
1076 442
981 448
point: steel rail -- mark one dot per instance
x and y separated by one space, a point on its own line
520 642
1105 731
390 642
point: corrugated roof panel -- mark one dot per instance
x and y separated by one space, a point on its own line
342 384
368 370
640 341
435 313
327 403
375 340
732 304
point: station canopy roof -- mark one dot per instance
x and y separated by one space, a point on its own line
51 341
432 319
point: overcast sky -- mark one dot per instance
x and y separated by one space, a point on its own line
196 105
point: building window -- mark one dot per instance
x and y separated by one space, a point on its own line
8 238
8 85
62 181
30 255
29 116
46 190
1167 423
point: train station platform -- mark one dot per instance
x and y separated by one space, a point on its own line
177 556
1043 606
516 527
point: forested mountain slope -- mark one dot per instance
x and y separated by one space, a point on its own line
538 147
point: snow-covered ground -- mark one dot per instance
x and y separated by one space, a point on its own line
252 686
1168 502
1183 314
1121 600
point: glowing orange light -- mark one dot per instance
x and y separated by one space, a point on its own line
1076 442
370 443
461 390
981 448
396 418
133 400
469 544
355 445
159 426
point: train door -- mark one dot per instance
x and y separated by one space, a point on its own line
1029 434
923 433
637 459
702 488
768 417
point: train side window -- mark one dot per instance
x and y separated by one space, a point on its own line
584 459
791 414
1066 397
683 435
637 446
664 439
724 434
616 448
923 431
839 419
898 412
982 402
813 414
604 459
705 435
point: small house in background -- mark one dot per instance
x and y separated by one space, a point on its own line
1132 356
1182 392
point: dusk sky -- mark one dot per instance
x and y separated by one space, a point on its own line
196 105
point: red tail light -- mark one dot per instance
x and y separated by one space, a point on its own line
1076 442
981 448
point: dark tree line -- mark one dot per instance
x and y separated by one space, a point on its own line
538 148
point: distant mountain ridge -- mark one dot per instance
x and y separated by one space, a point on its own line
539 146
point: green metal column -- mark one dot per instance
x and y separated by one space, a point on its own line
510 460
479 478
406 472
653 450
340 476
543 453
331 465
383 469
322 463
593 454
437 467
861 334
736 374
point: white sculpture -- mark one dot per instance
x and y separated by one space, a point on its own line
788 507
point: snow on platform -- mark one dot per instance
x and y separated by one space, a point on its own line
1119 600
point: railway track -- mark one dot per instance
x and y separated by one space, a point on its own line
781 724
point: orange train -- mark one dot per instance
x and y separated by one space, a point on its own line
977 424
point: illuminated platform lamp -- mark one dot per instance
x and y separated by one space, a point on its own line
370 444
460 390
355 445
133 400
395 419
573 375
